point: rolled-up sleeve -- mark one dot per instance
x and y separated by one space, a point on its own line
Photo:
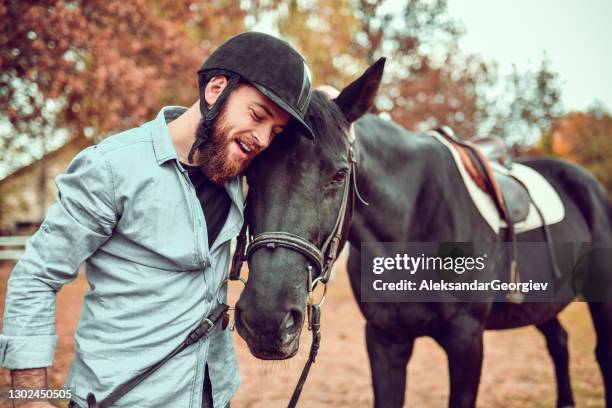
77 224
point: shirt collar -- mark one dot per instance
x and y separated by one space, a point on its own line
162 141
165 150
234 190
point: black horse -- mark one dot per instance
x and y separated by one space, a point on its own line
415 194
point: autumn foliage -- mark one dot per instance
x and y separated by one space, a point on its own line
99 66
585 138
107 62
91 68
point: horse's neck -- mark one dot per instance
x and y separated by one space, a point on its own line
391 177
409 183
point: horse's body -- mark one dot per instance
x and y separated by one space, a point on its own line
415 194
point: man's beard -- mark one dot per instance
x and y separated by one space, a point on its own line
213 158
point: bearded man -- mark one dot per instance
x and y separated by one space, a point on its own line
151 212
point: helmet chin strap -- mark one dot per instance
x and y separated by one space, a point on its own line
208 115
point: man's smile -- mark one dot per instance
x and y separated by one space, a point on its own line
245 149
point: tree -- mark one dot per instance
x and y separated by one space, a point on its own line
89 68
529 105
585 138
427 81
322 30
443 94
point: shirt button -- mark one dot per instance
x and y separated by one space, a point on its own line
209 298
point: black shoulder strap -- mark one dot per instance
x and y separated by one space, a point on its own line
205 326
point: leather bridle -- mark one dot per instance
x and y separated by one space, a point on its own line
322 258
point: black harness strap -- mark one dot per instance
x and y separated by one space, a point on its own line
545 231
209 115
314 349
205 327
239 254
271 240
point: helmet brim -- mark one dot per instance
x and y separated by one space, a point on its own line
303 128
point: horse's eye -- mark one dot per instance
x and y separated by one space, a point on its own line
340 176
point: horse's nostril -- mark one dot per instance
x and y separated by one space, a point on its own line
291 321
241 321
287 322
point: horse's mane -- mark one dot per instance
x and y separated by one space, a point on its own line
327 122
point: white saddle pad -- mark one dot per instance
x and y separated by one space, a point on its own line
542 193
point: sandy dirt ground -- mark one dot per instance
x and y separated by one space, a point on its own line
517 370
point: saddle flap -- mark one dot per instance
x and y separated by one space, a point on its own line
516 197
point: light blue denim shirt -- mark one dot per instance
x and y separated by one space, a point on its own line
128 210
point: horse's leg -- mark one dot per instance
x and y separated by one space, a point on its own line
556 341
602 320
388 359
462 341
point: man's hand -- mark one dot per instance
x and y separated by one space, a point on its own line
30 379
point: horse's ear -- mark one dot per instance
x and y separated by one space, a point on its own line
358 98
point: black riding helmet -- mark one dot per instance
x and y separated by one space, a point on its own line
269 64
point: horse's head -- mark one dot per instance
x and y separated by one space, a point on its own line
299 206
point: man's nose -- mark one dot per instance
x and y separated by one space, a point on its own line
262 136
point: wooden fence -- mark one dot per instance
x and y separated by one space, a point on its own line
11 248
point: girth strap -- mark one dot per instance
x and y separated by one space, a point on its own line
545 230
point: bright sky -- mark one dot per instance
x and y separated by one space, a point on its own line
575 34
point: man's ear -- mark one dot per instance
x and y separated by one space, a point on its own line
213 89
358 98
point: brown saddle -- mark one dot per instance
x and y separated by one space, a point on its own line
481 158
487 162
